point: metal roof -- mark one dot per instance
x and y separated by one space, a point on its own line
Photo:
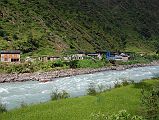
10 52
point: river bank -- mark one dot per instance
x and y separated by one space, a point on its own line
48 76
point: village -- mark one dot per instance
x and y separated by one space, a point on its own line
14 56
18 68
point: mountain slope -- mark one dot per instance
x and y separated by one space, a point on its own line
54 26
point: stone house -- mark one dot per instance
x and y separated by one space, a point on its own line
122 57
95 55
53 58
74 57
10 56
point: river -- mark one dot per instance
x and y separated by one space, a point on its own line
13 94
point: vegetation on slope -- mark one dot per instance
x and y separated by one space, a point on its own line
123 98
50 27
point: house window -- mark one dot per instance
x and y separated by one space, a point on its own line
5 59
14 60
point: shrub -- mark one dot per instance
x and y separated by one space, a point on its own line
101 88
151 57
73 64
2 108
104 88
15 37
150 103
54 95
23 104
89 63
132 81
125 82
121 115
59 95
85 63
91 89
117 84
57 63
112 62
2 33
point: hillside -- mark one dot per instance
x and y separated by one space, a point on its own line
55 26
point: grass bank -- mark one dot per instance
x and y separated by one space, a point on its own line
126 97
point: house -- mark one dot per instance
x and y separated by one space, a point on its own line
74 57
53 58
94 55
30 59
122 57
10 55
48 58
117 56
42 58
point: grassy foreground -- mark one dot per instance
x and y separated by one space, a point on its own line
112 101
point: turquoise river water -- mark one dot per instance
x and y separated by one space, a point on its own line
13 94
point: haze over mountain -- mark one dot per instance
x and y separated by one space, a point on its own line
54 26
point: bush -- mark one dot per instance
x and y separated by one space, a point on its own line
121 115
91 63
85 63
59 95
15 37
112 62
150 103
91 90
125 82
73 64
23 104
2 108
151 57
57 63
103 88
117 84
3 33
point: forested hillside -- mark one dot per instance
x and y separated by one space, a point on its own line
54 26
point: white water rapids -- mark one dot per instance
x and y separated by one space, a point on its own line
13 94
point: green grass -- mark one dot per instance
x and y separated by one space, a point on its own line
117 99
91 63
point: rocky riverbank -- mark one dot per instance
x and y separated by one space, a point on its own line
47 76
